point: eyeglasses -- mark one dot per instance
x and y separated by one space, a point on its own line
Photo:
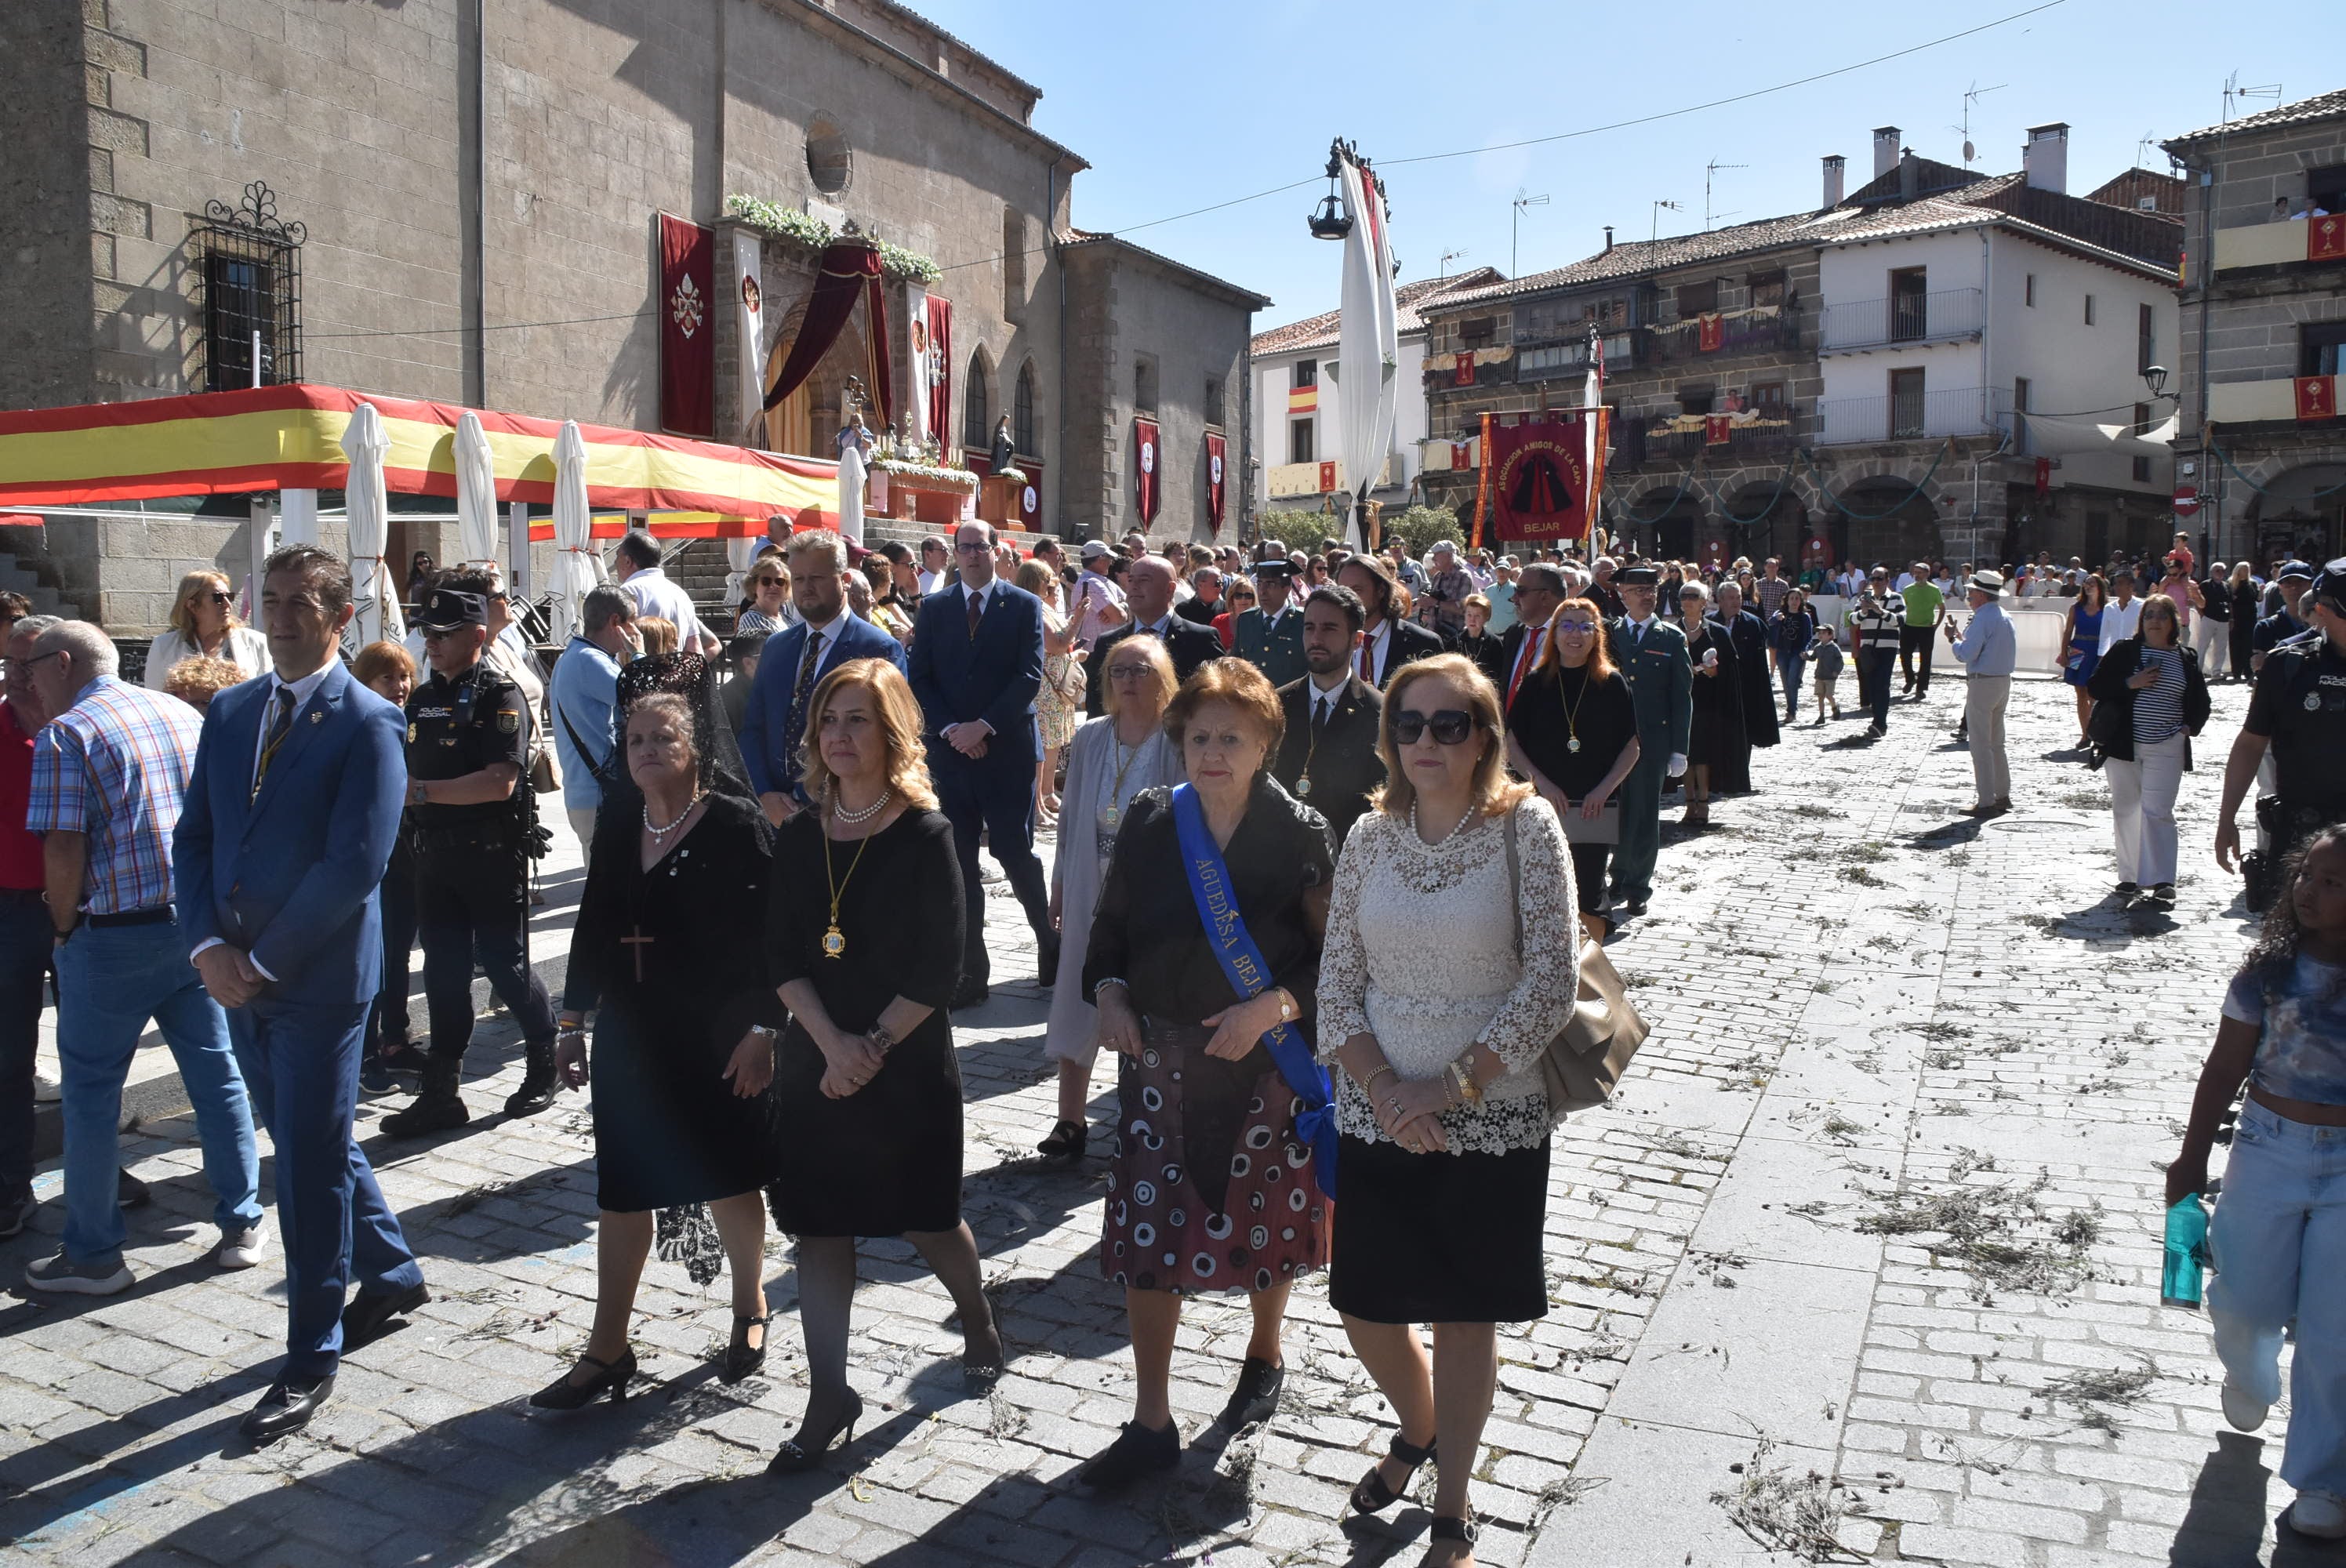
25 665
1576 629
1450 726
1129 671
978 549
215 597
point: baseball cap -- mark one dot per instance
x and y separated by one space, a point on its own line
1094 549
447 609
2294 569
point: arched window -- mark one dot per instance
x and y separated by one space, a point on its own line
1022 411
977 404
1014 262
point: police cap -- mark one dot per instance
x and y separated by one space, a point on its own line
1639 577
2329 587
447 609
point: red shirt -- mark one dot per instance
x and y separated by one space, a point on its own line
20 852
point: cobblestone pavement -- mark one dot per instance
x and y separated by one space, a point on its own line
1863 1264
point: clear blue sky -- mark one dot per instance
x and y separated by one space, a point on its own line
1180 107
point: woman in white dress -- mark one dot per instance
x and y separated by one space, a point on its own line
1112 758
204 625
1435 1014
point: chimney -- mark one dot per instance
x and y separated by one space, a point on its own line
1885 150
1836 177
2045 158
1910 176
1609 239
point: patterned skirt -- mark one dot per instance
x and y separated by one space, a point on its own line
1211 1187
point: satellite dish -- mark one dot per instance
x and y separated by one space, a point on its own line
1969 152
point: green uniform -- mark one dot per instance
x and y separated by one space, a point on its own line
1661 682
1273 645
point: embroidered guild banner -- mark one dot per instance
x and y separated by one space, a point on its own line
1710 332
688 336
2325 238
1215 449
2317 397
1541 487
1146 453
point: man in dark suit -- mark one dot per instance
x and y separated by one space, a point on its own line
1386 643
279 853
977 665
795 658
1270 635
1652 654
1328 758
1148 593
1538 590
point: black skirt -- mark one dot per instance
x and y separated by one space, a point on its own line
1439 1238
669 1129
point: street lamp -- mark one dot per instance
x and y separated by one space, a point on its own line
2154 378
1330 222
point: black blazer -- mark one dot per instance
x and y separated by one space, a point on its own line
993 677
1408 643
1511 643
1189 643
2112 695
1345 766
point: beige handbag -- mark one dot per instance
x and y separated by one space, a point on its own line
1583 1064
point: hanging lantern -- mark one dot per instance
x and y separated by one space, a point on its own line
1331 221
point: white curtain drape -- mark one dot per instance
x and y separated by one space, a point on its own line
577 567
297 517
368 506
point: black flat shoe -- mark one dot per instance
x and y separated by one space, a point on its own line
129 1192
1047 961
1372 1495
2128 890
1137 1451
1256 1397
740 1357
370 1311
967 995
1064 1147
806 1449
2163 894
562 1394
287 1407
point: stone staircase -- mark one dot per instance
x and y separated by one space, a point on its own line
26 568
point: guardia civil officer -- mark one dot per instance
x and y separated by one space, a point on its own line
467 744
2298 712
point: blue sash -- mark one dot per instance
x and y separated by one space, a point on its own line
1243 967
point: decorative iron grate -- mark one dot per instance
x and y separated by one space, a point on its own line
248 279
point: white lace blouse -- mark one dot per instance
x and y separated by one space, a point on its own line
1420 953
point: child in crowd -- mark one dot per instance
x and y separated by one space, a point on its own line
2280 1223
1826 655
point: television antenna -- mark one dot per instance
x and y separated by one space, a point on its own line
1710 171
1658 205
1972 94
2233 90
1514 223
1442 268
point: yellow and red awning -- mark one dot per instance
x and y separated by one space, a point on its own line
290 438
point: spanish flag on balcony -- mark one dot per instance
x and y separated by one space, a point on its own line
1302 399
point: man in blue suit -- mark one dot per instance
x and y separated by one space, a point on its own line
977 665
795 658
279 853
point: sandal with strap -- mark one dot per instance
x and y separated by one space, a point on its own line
1462 1532
1372 1495
741 1358
613 1376
1064 1147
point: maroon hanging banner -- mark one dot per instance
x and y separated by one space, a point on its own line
938 321
1148 454
848 271
1541 487
1215 448
687 329
1030 499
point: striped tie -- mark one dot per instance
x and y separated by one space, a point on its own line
279 727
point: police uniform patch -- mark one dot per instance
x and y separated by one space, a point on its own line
508 720
2313 702
411 734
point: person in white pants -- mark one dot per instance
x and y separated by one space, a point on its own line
1988 651
2166 699
2210 636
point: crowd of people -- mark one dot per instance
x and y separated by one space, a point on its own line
1270 774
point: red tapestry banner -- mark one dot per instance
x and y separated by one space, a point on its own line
687 327
1030 498
1147 455
848 271
1327 478
2325 238
1710 332
1541 486
933 344
1215 449
2317 397
1462 370
1717 430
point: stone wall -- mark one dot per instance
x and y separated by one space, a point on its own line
46 181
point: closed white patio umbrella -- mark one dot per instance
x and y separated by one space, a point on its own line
476 491
577 566
367 504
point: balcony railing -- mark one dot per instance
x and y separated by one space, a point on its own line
1682 344
1921 416
2287 244
1901 318
1636 448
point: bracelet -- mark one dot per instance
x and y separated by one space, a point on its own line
1103 985
1368 1086
1469 1089
1288 1011
878 1034
768 1030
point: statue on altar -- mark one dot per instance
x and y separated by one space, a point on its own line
852 431
1004 453
854 442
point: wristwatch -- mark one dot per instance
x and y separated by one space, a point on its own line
768 1030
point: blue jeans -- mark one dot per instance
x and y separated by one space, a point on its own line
24 934
1789 667
301 1062
2279 1240
110 981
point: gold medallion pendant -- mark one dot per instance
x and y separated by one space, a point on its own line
834 942
1107 816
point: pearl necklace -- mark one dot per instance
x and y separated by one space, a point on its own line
840 814
660 835
1418 838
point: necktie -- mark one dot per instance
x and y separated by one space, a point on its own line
976 607
1522 662
1318 716
1368 670
807 667
280 724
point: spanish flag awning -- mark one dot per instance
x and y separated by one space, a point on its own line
290 438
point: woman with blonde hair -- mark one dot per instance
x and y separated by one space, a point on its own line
1114 758
658 634
204 625
1440 1101
1059 704
863 941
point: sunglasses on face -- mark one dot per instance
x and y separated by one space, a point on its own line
1450 726
215 597
1129 671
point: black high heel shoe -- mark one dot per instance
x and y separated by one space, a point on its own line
741 1358
979 1377
806 1449
1064 1147
562 1394
1372 1495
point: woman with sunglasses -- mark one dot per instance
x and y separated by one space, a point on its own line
1572 730
768 610
1442 1167
1238 598
204 626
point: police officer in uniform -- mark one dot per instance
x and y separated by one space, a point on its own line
468 736
2298 712
1652 654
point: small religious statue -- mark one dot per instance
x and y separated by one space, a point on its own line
852 431
1005 455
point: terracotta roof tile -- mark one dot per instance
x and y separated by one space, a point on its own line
2321 107
1315 332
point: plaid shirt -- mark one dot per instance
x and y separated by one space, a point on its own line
115 766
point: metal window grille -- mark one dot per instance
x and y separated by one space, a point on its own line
248 281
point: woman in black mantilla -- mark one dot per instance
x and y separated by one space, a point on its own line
864 939
1212 1188
1716 739
666 954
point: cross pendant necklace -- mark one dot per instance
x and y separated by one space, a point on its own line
638 942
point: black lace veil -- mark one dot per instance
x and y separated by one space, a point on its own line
693 678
